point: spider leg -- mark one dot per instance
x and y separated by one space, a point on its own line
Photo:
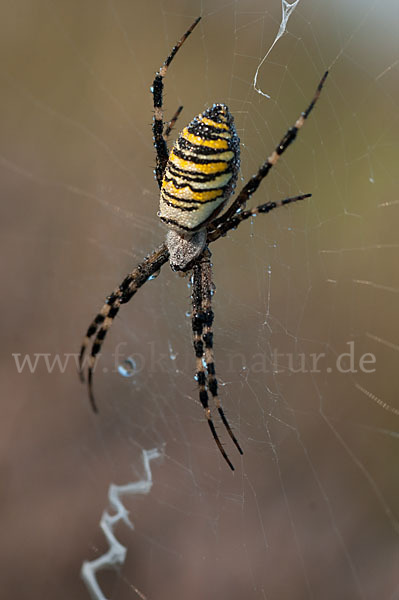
172 123
252 185
104 319
207 337
236 219
199 319
158 126
93 327
98 342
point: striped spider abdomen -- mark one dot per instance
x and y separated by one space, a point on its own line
199 178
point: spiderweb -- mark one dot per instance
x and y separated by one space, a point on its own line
306 332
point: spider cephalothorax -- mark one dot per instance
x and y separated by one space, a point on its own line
196 179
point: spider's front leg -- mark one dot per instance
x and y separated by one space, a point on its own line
202 319
104 319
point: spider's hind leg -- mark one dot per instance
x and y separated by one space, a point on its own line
252 185
158 125
169 126
233 222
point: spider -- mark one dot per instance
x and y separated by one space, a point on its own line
196 179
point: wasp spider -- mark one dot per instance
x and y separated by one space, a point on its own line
196 179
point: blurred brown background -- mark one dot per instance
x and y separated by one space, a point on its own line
311 511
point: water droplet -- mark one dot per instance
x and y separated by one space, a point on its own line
172 354
128 368
154 275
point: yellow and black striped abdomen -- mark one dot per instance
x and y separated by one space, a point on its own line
201 171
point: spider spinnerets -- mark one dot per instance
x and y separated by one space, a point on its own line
196 179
